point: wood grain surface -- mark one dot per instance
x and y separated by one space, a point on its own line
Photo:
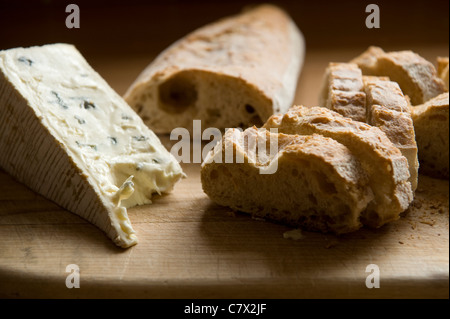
191 248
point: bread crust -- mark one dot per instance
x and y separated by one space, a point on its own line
343 91
319 184
416 76
385 165
235 72
443 70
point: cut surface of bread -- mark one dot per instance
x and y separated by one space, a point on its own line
373 100
386 167
68 136
318 184
388 110
431 123
235 72
416 76
343 91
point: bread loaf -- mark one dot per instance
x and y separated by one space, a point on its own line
374 100
431 123
318 185
416 76
386 167
234 72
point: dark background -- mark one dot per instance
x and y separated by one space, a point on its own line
147 27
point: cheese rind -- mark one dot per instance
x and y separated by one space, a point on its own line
77 141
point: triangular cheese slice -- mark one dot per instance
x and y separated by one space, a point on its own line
70 137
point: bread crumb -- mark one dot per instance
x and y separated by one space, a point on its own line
428 222
294 234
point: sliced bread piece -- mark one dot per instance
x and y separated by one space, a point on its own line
343 91
367 61
431 123
68 136
234 72
318 184
442 69
416 76
387 168
388 110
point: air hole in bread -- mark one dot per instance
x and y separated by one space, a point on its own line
324 184
250 109
224 171
214 174
256 120
213 112
139 107
177 94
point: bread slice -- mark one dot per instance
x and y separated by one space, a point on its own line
416 76
385 165
69 137
343 91
431 123
388 110
234 72
318 184
367 61
443 70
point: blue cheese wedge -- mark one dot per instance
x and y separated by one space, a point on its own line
69 136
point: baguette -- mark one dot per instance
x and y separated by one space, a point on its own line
386 167
234 72
319 184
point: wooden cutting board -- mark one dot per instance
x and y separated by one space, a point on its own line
191 248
